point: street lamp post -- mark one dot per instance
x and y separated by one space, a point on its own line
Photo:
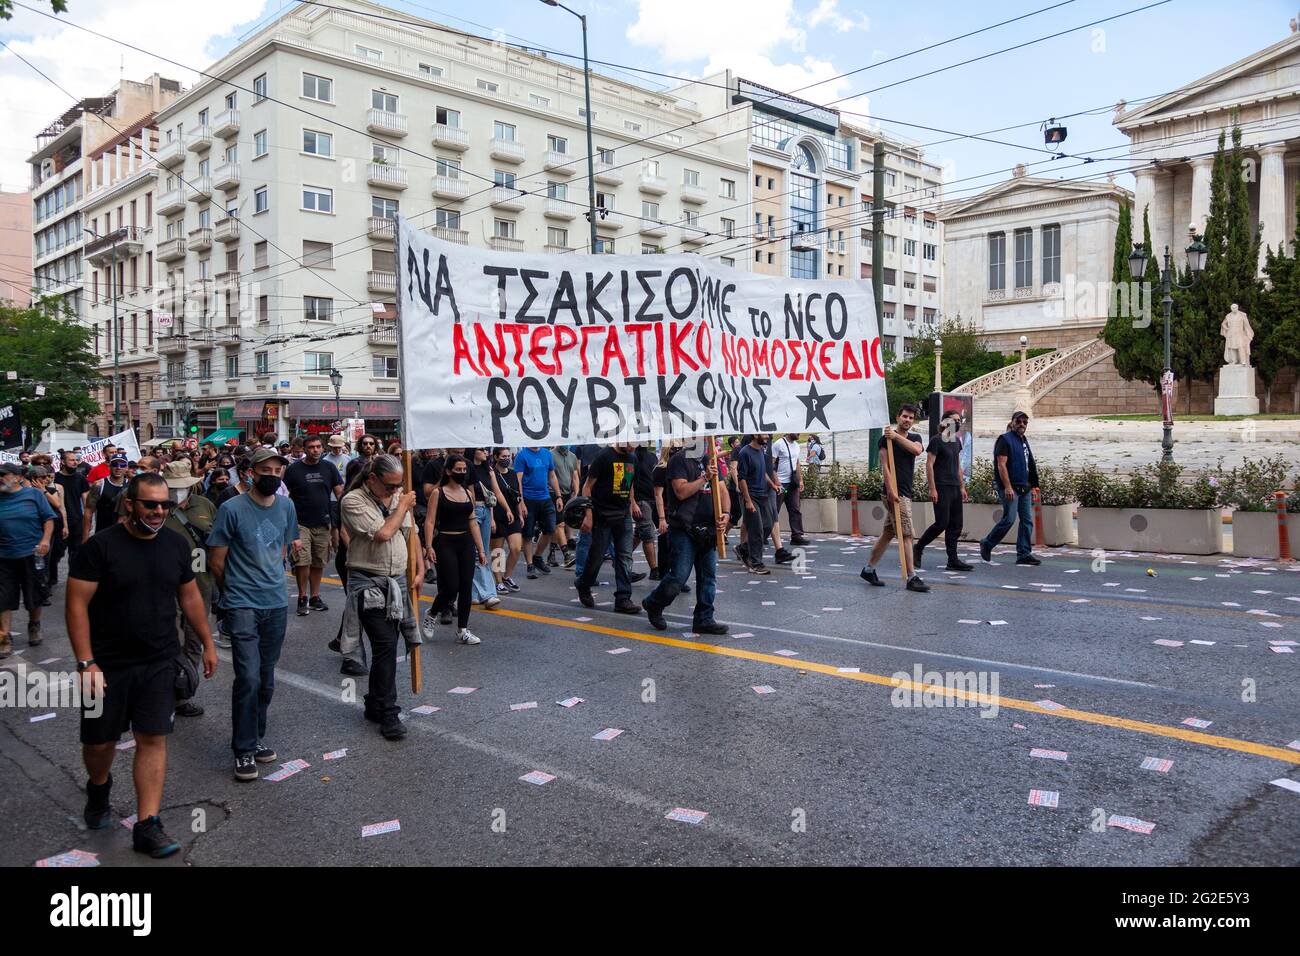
336 379
1024 346
938 365
112 280
1197 252
586 91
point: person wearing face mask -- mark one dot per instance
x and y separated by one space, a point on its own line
220 489
43 478
609 484
507 525
192 519
947 486
75 491
102 501
246 550
455 544
123 588
26 524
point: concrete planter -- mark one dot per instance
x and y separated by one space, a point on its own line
819 515
1058 523
1254 533
871 517
1165 530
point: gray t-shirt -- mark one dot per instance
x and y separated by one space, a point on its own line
566 463
257 538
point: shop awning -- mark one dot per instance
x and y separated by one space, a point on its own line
346 408
223 435
249 409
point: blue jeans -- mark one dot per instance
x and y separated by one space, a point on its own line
1021 506
256 638
605 532
687 553
583 548
485 585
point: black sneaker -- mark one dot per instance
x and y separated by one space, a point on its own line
914 583
784 556
98 812
551 559
393 729
584 596
335 646
510 583
540 565
148 836
986 552
655 615
444 618
711 628
654 574
759 568
742 553
1028 559
624 606
264 754
570 559
959 565
800 542
302 607
187 708
531 573
685 589
34 635
373 717
636 576
316 604
353 669
871 577
245 768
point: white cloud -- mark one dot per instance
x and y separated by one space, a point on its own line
826 12
86 65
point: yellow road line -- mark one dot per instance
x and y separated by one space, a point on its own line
1106 720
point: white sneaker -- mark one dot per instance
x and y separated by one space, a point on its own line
429 622
466 637
491 602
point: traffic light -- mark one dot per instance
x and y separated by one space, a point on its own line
192 424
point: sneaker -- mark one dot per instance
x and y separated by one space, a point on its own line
800 542
335 646
871 577
429 621
655 615
502 588
466 636
759 568
245 768
711 628
353 669
393 729
98 812
148 836
540 565
914 583
531 573
1028 559
222 638
188 708
742 553
444 618
584 596
316 604
959 565
510 583
636 576
570 559
492 602
551 559
264 754
624 606
34 635
303 610
654 574
986 552
685 589
784 556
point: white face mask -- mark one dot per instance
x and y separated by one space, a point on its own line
181 495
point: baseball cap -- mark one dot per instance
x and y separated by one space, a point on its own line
268 454
119 460
9 468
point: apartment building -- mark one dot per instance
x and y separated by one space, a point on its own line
15 248
300 146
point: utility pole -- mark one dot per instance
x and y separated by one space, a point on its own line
877 263
586 92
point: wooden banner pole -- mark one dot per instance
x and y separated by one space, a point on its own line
719 525
892 484
412 542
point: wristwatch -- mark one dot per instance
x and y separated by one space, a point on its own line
83 665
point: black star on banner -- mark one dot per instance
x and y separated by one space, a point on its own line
816 405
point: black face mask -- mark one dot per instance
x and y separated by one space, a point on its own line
266 485
458 477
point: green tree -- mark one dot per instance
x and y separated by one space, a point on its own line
1277 330
1133 327
7 8
965 357
46 346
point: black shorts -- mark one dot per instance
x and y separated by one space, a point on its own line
20 579
139 697
507 528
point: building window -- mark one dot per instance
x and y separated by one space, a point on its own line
259 255
728 262
386 102
503 177
317 144
317 88
557 190
317 199
317 363
447 218
203 117
259 144
929 251
503 228
382 207
447 168
758 182
727 188
605 247
690 177
445 117
649 210
261 202
259 88
909 247
582 114
557 144
503 131
385 366
428 69
1024 258
317 254
541 101
1051 254
488 86
232 366
631 127
261 364
604 200
557 237
997 261
729 228
205 368
263 308
605 155
317 309
369 53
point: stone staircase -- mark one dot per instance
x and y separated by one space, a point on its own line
1016 387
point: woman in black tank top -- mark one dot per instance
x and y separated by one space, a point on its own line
454 544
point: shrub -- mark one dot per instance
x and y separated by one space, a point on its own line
1055 487
1250 486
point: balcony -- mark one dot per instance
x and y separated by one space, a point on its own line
173 200
562 164
382 121
172 344
694 234
382 282
693 193
169 250
650 228
199 189
447 234
507 150
506 197
560 209
226 124
226 178
171 153
199 139
227 278
805 241
200 239
609 220
505 244
386 176
202 339
450 187
383 333
229 336
558 250
226 230
450 137
377 227
608 174
128 241
655 185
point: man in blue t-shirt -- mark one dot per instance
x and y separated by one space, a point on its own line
26 523
246 551
754 484
541 488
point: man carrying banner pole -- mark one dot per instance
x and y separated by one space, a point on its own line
898 468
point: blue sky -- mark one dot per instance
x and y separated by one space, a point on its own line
786 43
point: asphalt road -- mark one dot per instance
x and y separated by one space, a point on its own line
827 768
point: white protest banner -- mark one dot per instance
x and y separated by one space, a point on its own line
530 349
10 458
93 453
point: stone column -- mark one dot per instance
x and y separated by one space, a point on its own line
1143 198
1164 232
1272 198
1201 171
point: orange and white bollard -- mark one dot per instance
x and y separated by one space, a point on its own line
1038 519
1283 533
853 511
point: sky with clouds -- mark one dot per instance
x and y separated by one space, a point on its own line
787 44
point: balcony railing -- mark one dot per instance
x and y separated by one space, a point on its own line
378 281
506 197
693 193
171 344
450 187
386 176
447 234
171 154
229 336
506 244
226 230
226 177
558 250
560 209
228 277
202 339
199 139
655 185
226 124
562 164
169 250
382 121
650 228
611 221
377 227
199 189
382 334
200 240
507 150
607 173
128 240
450 137
173 200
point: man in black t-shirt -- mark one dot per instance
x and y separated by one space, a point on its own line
947 485
123 588
310 482
693 530
609 484
75 490
647 526
900 448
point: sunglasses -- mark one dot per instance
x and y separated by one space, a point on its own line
155 505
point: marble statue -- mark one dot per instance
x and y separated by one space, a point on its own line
1237 335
